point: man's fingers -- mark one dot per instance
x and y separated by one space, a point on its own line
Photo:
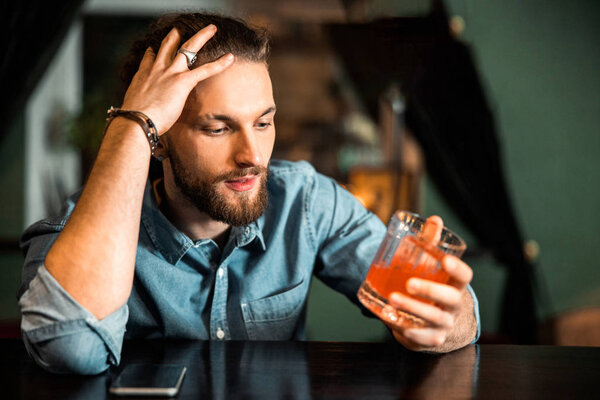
442 294
213 68
147 60
145 65
432 231
435 316
195 43
460 273
426 337
168 47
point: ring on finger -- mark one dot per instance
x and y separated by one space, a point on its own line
189 55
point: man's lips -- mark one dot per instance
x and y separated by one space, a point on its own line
242 184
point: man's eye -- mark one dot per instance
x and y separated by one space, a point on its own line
263 125
215 131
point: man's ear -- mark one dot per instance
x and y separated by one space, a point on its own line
162 149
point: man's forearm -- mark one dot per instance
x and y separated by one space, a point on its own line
93 258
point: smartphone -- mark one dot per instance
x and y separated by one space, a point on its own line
148 380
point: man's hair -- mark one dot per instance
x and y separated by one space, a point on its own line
233 36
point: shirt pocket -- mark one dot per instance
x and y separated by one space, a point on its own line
275 317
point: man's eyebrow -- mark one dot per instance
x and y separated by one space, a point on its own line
227 118
268 111
220 117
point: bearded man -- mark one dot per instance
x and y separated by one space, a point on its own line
223 245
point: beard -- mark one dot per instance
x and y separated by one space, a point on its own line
206 197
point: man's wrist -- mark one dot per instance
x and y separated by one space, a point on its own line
123 130
144 122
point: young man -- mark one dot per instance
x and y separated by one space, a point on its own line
224 245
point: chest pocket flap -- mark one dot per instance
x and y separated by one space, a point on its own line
275 317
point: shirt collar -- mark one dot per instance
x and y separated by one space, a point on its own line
244 235
172 243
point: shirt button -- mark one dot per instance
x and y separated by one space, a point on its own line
220 334
220 272
247 231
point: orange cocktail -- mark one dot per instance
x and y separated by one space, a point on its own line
406 252
413 258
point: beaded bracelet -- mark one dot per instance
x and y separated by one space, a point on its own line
142 119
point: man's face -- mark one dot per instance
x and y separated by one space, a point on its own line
219 149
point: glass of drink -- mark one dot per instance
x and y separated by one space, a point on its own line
409 249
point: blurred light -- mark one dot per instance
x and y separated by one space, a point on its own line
531 248
457 25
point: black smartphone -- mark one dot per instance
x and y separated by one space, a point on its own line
148 380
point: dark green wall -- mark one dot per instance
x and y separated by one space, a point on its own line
540 63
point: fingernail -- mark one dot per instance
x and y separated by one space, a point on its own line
211 27
449 263
394 297
412 286
229 57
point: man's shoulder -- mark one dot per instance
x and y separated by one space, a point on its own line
290 182
283 169
292 176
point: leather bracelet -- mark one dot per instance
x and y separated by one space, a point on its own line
142 119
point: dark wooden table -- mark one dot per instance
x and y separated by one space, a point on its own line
329 370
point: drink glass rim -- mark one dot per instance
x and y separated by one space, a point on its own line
451 242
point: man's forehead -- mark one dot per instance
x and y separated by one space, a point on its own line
196 110
243 88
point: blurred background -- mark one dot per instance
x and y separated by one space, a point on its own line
484 112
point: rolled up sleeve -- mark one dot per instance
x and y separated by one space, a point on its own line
62 336
475 313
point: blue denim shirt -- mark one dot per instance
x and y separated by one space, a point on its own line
254 289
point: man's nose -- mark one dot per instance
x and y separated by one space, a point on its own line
248 151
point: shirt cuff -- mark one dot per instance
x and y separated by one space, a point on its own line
475 312
49 313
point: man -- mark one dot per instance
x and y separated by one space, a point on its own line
225 244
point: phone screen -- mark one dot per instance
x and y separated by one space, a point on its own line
148 380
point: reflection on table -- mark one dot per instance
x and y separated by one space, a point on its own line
336 370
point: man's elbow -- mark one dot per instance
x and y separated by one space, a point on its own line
83 354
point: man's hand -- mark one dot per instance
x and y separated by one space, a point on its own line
450 320
163 82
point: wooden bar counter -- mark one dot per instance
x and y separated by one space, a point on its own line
329 370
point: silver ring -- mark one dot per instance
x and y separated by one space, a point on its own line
190 55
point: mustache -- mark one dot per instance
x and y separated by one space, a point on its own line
240 173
